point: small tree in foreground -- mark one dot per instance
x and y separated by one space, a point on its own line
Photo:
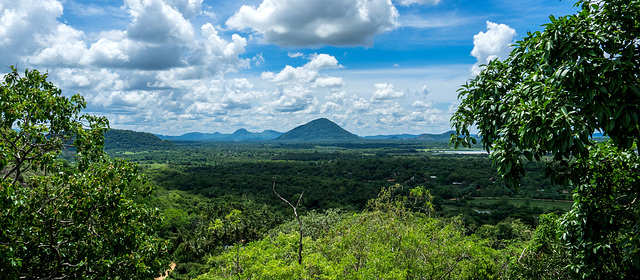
59 221
556 88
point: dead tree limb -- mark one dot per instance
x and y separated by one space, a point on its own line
295 212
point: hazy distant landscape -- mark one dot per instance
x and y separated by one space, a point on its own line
314 131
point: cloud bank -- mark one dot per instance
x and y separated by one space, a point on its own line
317 22
167 69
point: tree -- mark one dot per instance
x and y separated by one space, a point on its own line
61 220
546 100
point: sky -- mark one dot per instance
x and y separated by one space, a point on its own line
176 66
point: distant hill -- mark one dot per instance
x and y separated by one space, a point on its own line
320 130
239 135
117 139
443 137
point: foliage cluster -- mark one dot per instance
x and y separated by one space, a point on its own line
59 220
557 87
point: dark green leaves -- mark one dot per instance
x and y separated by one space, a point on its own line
81 221
558 87
578 76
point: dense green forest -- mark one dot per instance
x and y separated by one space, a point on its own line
214 195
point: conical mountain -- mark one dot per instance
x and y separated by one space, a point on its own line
320 130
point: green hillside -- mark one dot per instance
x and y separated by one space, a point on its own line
117 139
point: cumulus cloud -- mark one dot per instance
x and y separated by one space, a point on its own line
26 26
91 79
322 62
65 47
329 82
361 104
157 22
317 22
217 53
295 99
291 75
158 69
385 92
422 104
188 8
338 97
306 73
425 90
329 106
493 44
126 101
160 36
239 94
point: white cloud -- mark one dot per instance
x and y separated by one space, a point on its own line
494 44
317 22
65 48
322 62
160 36
361 104
23 25
337 96
330 106
304 74
90 79
422 104
291 75
329 82
385 92
296 54
295 99
188 8
218 53
396 110
418 2
157 22
127 101
425 90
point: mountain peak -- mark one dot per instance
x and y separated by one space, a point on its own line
241 131
319 130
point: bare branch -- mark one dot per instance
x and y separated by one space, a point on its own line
295 212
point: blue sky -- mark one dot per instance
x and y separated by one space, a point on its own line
177 66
